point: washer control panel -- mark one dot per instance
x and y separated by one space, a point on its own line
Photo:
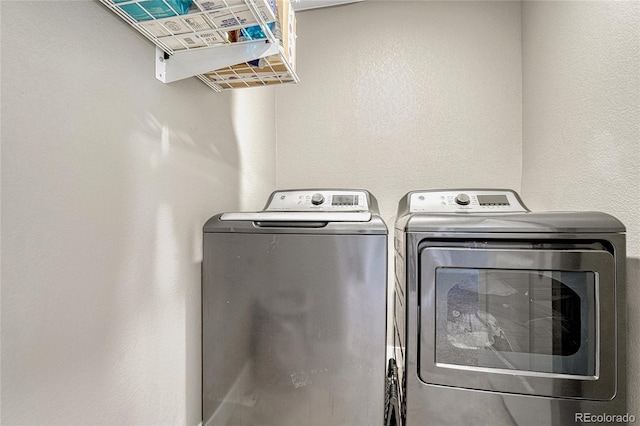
318 200
466 201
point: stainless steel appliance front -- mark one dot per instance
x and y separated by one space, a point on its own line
508 318
294 314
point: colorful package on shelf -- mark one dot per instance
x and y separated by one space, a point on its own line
255 32
154 9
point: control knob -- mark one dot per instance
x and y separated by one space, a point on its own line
317 199
463 199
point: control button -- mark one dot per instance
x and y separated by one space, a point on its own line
463 199
317 199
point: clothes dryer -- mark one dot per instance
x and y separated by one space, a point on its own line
506 316
294 312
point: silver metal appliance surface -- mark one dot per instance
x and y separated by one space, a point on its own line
294 312
505 316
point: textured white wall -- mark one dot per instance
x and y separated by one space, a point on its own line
107 178
397 96
254 125
581 123
108 175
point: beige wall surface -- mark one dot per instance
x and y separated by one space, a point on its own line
399 96
581 124
107 178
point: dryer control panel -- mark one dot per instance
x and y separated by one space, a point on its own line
318 200
466 201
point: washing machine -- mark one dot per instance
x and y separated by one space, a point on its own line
506 316
294 312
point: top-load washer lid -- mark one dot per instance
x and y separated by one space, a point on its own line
337 210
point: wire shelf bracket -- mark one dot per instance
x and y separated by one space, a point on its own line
186 64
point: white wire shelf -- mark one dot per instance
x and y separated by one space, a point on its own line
225 43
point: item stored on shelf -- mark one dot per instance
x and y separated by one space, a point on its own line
252 41
259 63
255 32
154 9
228 18
176 25
183 41
218 4
268 70
287 19
272 70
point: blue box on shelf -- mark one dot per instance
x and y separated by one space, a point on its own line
154 9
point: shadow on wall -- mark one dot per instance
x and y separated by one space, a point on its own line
253 121
633 339
180 175
188 173
106 183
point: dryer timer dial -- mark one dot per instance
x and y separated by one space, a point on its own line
463 199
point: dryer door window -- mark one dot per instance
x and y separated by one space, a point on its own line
526 321
523 320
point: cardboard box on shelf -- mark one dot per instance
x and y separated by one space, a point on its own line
241 16
287 19
243 84
176 25
197 22
212 38
228 19
237 76
182 41
155 28
218 4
